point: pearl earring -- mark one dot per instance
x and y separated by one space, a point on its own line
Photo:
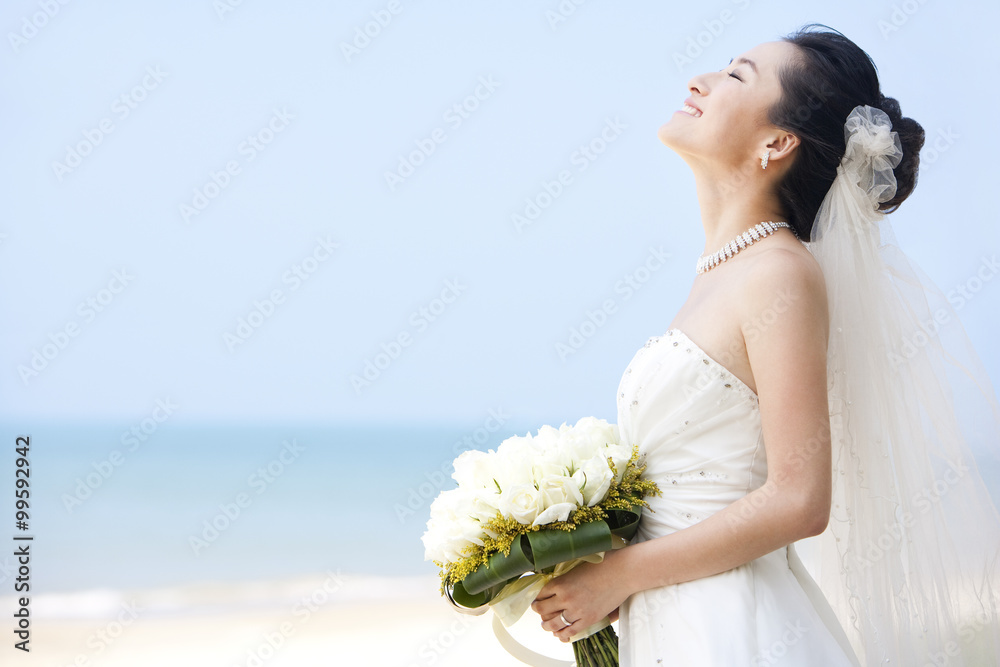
763 159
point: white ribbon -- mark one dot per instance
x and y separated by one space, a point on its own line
516 598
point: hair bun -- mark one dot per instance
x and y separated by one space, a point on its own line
820 87
911 138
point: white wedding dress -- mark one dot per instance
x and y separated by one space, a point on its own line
699 428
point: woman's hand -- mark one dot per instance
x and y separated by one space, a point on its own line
584 596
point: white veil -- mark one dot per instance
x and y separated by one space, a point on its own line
910 561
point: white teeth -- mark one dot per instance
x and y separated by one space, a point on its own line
691 110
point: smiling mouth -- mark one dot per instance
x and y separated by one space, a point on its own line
691 111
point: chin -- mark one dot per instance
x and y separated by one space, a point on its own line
669 134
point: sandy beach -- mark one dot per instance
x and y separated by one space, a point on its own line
329 619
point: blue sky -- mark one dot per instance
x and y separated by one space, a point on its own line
198 208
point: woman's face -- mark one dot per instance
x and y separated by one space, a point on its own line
729 126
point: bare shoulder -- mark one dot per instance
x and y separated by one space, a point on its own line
784 292
785 264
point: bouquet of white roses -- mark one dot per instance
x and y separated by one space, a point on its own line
539 504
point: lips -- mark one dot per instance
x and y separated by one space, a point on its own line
690 110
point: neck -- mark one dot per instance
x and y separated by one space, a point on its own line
732 206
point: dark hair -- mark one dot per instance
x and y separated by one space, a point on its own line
831 76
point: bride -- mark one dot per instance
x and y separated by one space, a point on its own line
799 396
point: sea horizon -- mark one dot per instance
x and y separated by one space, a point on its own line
227 502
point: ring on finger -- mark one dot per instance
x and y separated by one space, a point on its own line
567 623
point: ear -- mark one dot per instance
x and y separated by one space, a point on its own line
782 146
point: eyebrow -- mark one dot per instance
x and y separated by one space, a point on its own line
742 60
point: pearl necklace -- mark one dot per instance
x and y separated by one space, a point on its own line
758 231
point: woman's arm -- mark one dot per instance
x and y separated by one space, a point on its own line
788 360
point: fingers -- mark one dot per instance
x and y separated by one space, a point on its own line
562 631
556 624
552 622
554 617
566 634
547 605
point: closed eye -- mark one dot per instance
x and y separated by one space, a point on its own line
733 74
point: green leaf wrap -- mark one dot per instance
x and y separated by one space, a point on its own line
539 550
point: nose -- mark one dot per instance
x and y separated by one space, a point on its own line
698 84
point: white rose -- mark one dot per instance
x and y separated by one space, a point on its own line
518 446
557 512
446 539
511 471
511 466
547 439
579 446
544 468
587 424
597 426
474 470
521 502
447 502
485 505
594 479
514 460
451 528
620 454
560 496
586 439
433 539
559 489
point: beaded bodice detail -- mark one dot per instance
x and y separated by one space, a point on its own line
698 428
697 425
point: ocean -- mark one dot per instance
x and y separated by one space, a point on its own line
222 502
232 502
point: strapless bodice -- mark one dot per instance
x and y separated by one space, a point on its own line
699 429
697 425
